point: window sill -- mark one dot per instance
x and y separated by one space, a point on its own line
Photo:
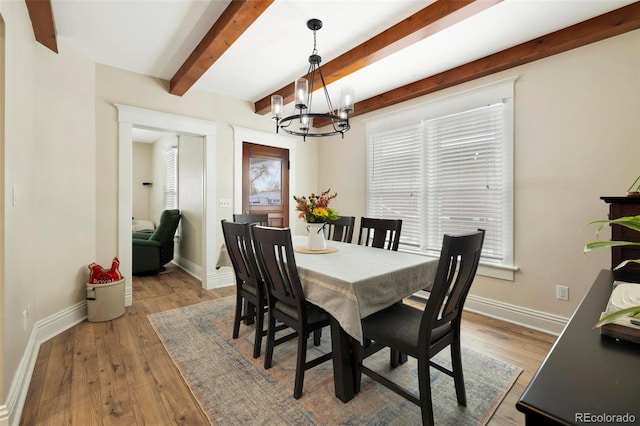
501 272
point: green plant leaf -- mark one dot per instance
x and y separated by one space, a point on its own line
625 262
632 311
631 222
600 244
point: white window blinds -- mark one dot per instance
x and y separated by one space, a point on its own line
465 182
171 178
446 166
394 170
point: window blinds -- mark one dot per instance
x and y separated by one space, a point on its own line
465 177
394 170
171 178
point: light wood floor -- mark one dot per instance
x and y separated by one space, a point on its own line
118 373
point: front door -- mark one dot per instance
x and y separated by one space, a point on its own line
265 182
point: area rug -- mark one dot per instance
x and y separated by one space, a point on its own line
233 388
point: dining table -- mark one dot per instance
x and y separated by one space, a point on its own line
351 282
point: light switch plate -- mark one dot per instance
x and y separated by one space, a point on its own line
224 202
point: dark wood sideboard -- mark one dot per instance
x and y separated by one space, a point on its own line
620 207
586 378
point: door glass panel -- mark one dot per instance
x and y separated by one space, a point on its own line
266 182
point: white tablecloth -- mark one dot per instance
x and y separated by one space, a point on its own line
356 281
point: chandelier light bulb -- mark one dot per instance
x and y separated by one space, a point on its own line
302 93
277 105
346 100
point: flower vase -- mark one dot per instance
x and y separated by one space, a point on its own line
316 239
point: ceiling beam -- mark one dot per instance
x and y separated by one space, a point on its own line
42 22
599 28
432 19
234 21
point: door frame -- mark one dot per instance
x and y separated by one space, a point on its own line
276 140
129 117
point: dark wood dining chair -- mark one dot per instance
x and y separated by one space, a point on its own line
257 218
250 290
380 233
423 333
286 300
341 229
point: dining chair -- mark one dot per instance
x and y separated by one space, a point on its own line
250 290
258 218
286 300
421 334
341 229
380 233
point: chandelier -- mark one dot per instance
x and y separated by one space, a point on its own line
301 122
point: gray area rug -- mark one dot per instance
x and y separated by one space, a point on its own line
233 388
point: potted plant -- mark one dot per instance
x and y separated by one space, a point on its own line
631 222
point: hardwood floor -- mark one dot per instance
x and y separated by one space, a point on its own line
118 373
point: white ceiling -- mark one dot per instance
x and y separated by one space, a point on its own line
155 38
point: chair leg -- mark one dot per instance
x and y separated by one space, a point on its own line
271 336
300 365
458 376
237 316
257 343
317 336
424 385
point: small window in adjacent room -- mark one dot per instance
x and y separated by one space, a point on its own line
446 166
170 158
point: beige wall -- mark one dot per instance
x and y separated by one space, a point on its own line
50 234
142 172
190 196
577 137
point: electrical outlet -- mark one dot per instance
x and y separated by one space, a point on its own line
562 292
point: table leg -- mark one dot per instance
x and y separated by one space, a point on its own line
343 362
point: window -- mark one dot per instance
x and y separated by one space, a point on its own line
447 167
170 158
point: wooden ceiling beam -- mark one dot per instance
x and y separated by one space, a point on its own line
44 28
234 21
432 19
599 28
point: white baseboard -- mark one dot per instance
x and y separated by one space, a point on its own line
42 331
535 320
189 267
215 280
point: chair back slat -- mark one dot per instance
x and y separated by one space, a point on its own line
457 268
277 262
380 233
237 239
341 229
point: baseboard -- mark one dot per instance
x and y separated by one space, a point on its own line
42 331
189 267
221 279
535 320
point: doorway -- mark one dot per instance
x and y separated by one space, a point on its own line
128 117
265 182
